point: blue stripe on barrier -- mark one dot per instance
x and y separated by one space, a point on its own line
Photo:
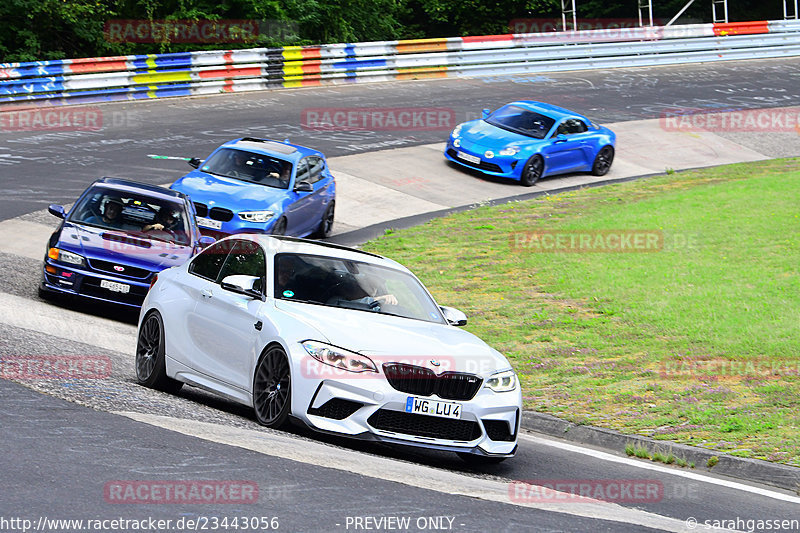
353 64
35 85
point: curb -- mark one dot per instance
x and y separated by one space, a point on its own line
777 475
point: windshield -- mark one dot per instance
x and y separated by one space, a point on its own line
523 121
352 285
136 214
249 167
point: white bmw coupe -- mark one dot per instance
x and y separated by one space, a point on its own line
344 341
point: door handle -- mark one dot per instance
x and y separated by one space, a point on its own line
205 293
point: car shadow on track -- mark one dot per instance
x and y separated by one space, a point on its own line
433 458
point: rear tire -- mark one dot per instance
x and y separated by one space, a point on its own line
532 171
151 368
326 224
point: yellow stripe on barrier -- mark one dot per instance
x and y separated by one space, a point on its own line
295 68
420 73
152 92
160 77
151 61
292 53
409 46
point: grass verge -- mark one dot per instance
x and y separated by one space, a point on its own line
694 340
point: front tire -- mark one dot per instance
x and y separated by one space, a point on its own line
603 160
272 386
532 171
280 227
151 368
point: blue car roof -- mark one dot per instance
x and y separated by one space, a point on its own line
128 186
279 149
553 111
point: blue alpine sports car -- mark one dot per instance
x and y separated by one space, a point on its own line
251 185
116 238
527 140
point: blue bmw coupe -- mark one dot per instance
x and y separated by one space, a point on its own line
116 238
253 185
527 140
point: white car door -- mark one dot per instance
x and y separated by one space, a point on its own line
226 326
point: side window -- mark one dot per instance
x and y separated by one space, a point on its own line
302 171
315 166
247 259
208 263
572 126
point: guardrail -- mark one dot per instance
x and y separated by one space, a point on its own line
93 80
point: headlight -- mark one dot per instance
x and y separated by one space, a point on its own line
457 143
256 216
488 154
56 254
509 150
339 358
503 381
457 130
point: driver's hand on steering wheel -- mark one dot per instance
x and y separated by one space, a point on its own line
156 226
388 299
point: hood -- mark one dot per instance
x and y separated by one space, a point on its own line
388 338
121 247
480 133
231 193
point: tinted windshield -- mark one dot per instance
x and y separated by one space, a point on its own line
250 167
136 214
352 285
519 120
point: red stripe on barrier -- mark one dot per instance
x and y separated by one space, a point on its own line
488 38
312 67
230 72
228 57
311 53
228 87
741 28
94 66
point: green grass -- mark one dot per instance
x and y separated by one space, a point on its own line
695 343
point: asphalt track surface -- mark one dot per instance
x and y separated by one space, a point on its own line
58 454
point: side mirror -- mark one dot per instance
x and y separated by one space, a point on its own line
303 186
453 316
194 162
561 138
246 285
57 210
206 241
486 112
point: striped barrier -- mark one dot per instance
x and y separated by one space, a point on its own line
92 80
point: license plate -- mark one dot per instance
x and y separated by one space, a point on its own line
423 406
470 158
113 286
208 223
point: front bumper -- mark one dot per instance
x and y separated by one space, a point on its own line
502 166
366 406
86 283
